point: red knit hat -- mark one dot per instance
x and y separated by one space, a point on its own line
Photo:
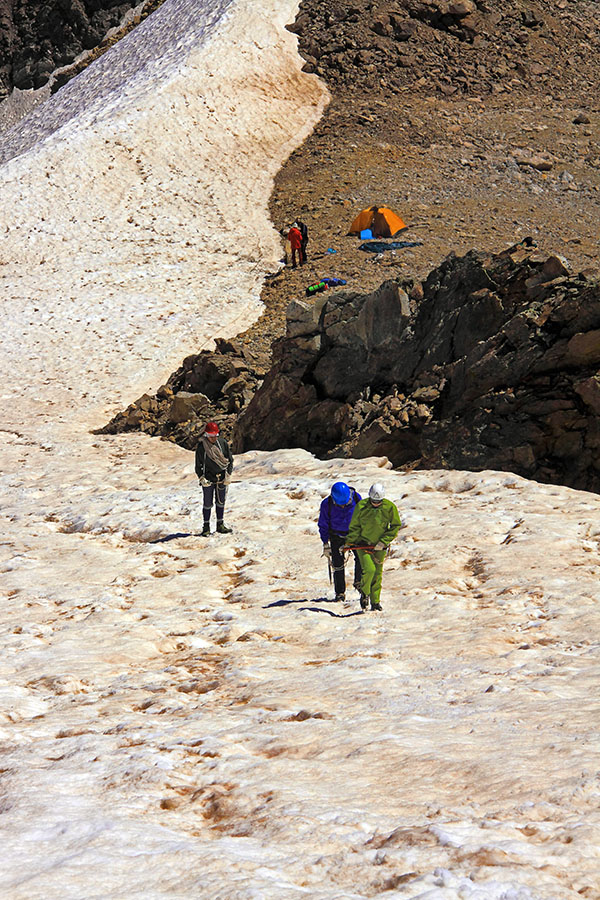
211 428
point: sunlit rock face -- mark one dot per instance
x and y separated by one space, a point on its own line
491 363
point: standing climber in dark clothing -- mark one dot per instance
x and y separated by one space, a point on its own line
214 464
334 520
303 229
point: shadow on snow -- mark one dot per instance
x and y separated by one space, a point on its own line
320 609
173 537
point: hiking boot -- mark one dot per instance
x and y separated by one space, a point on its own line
364 600
376 607
205 531
223 529
340 598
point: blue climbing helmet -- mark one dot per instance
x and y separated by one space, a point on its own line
340 493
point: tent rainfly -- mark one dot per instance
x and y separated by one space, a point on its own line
380 220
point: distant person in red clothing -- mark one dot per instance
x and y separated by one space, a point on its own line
294 236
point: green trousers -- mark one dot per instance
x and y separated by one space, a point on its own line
372 573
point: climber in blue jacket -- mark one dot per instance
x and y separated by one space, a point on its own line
334 520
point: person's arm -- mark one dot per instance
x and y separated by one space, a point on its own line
323 522
393 526
229 456
353 536
200 460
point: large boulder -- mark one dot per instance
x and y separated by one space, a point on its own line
186 406
496 366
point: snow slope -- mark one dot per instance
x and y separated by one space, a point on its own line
183 717
136 226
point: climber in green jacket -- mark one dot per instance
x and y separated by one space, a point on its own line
374 525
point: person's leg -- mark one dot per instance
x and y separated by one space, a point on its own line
207 502
293 257
375 592
357 571
338 566
221 494
368 571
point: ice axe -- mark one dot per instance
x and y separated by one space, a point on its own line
327 553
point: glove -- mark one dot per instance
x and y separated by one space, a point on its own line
380 546
227 479
327 551
204 482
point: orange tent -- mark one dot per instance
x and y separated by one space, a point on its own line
382 221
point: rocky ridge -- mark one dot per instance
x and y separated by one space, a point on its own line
42 42
492 362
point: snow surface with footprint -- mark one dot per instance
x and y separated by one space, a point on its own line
182 717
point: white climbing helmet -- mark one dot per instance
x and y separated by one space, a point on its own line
376 492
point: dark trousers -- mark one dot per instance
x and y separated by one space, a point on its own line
337 563
216 492
303 252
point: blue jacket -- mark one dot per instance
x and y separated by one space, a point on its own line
336 518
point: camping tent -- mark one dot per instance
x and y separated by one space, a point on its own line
381 220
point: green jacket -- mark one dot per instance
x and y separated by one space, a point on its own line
371 524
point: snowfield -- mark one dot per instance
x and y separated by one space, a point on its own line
186 717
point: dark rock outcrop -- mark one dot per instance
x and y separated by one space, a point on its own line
37 37
211 385
494 362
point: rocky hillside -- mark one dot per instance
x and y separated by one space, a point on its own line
38 37
450 46
492 362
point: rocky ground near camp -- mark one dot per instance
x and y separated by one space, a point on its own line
512 150
480 127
